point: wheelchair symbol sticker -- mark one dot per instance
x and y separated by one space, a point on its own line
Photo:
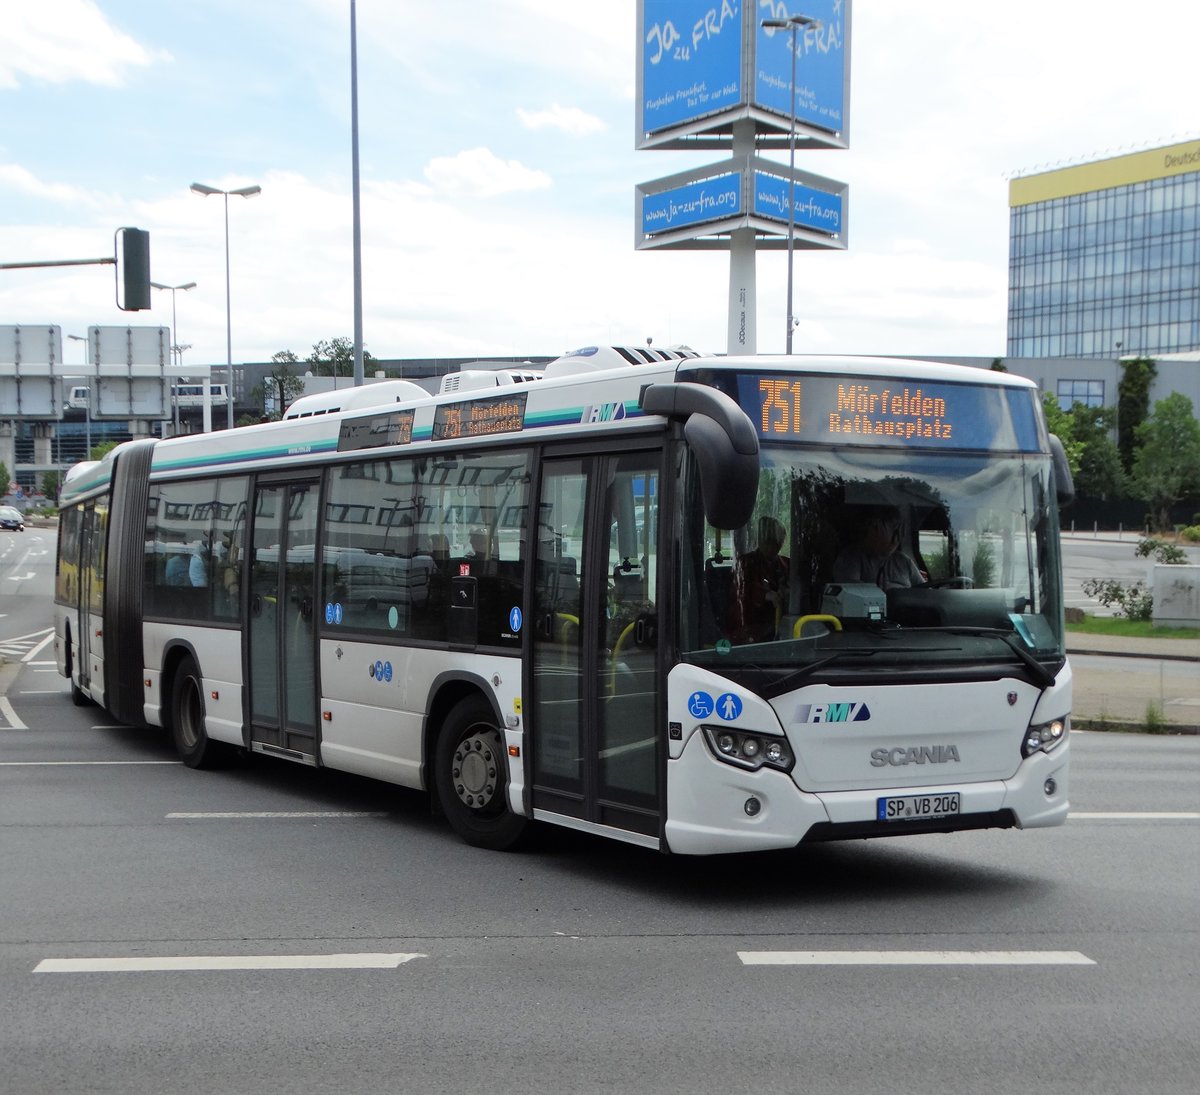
700 704
729 706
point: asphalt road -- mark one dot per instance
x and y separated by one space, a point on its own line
1061 960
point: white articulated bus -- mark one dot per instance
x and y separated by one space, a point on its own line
627 597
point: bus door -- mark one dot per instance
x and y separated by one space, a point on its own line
595 667
92 558
281 630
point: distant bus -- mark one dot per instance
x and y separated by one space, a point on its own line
183 396
608 599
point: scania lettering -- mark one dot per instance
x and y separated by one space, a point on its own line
630 596
926 754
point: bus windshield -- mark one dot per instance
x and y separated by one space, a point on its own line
875 559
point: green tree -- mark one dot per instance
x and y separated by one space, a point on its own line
1062 425
335 357
1099 474
1133 404
51 482
1166 465
5 479
281 385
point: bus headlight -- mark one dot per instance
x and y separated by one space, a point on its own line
749 750
1045 736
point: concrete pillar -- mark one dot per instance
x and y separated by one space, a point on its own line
743 289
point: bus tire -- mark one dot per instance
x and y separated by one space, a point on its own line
192 742
471 777
78 696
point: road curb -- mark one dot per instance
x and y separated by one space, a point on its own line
1166 730
1071 650
8 674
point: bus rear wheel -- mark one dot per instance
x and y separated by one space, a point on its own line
471 776
192 742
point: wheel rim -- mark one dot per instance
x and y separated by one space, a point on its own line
476 771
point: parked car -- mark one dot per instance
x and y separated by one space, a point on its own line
10 518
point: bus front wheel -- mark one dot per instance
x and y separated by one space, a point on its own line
471 775
192 742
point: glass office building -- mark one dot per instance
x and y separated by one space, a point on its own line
1104 257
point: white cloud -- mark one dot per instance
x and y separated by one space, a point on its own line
569 119
481 173
57 41
14 177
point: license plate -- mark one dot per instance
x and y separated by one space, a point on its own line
917 807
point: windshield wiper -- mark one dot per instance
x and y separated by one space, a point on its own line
1041 675
795 678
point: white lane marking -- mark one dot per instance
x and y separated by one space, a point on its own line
80 763
10 716
223 815
1139 815
39 648
21 646
914 958
226 962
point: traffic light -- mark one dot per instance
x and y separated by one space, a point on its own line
132 247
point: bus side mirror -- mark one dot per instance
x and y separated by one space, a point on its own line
1064 482
728 478
724 442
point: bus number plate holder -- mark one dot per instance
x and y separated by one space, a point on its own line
918 807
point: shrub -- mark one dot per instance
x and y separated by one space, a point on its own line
1191 533
1162 550
1134 602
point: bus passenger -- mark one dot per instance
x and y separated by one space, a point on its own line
198 564
759 587
876 556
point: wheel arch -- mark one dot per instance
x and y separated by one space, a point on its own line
173 655
447 691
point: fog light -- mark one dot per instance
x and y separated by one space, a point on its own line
752 806
1050 786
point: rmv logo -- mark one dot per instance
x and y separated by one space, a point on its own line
603 412
833 712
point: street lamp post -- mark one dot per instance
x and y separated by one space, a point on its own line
87 407
175 351
792 23
241 192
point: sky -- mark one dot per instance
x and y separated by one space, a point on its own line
498 165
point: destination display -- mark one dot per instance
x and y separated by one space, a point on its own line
376 431
884 411
479 417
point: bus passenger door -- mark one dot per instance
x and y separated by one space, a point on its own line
595 685
92 554
281 660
